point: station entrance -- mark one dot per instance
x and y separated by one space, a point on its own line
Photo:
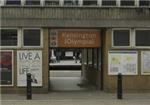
75 60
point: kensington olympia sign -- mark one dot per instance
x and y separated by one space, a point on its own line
75 38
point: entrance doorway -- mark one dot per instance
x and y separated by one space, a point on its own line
65 69
74 69
75 60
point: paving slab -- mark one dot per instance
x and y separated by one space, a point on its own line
77 98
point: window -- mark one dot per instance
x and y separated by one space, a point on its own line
32 2
71 2
9 37
32 37
121 38
90 2
51 2
108 2
142 37
144 2
127 2
13 2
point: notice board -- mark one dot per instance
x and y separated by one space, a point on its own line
145 63
124 62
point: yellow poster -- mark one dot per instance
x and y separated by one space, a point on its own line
122 62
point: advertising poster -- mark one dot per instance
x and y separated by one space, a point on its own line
122 62
6 68
29 61
145 63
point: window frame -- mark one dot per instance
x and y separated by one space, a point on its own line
70 5
24 3
135 4
18 39
97 5
101 4
112 38
12 70
4 3
144 47
41 38
44 3
138 1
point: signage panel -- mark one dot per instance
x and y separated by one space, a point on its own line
75 38
145 63
29 61
122 62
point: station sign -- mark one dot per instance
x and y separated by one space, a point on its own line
75 38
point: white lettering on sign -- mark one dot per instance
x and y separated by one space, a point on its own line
29 61
29 56
76 42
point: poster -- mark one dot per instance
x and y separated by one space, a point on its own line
122 62
145 63
6 68
29 61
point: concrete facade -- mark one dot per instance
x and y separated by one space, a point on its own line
79 18
85 17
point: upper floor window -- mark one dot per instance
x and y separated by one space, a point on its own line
51 2
142 38
90 2
32 2
121 37
127 2
8 37
13 2
32 37
71 2
144 2
108 2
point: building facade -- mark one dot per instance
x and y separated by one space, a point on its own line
114 36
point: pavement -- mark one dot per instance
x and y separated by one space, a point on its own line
77 98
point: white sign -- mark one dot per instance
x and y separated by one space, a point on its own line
29 61
122 62
69 54
145 63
